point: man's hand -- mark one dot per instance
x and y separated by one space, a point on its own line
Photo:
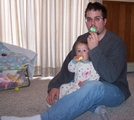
92 40
52 95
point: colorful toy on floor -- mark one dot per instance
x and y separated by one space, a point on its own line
14 78
17 88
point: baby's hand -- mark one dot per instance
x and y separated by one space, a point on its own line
80 83
77 58
80 58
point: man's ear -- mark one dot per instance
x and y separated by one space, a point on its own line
105 21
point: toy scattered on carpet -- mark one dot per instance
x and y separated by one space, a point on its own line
16 88
13 77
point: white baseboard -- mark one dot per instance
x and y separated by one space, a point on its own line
130 67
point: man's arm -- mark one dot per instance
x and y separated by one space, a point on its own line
64 76
109 59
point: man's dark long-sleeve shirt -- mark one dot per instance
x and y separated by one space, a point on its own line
108 58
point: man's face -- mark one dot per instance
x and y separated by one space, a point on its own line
95 19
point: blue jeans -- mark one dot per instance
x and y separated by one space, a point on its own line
88 97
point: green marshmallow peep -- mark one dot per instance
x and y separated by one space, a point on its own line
92 29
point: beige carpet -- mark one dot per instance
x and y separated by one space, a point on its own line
31 101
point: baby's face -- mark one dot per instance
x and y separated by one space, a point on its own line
82 50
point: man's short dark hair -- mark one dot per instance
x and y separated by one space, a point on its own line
96 6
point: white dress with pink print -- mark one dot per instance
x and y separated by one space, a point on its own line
83 71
